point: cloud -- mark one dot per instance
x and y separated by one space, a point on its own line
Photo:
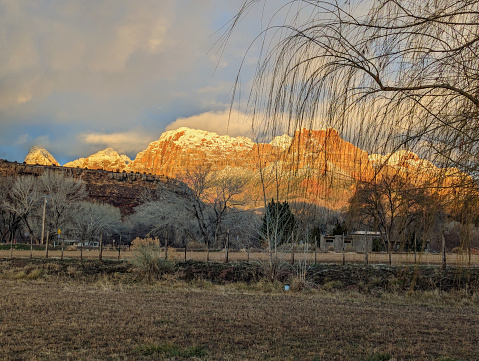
80 75
221 122
123 142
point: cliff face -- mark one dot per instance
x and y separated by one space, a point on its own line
182 149
122 190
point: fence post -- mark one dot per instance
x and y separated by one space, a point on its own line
46 247
119 248
186 245
100 255
166 245
227 245
443 251
292 248
344 252
415 248
366 251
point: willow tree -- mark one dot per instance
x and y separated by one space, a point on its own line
387 74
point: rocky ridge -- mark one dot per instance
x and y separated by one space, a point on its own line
107 159
315 166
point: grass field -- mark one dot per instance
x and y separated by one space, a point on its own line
171 320
374 258
90 310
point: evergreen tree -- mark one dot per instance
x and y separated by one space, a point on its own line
278 223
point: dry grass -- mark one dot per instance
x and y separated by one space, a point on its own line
374 258
175 320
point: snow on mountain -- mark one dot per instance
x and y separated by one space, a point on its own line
401 159
39 155
179 150
107 159
191 138
284 141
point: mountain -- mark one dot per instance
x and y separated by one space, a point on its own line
184 149
312 166
107 159
39 155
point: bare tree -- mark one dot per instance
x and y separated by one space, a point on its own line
64 194
386 73
20 201
390 204
94 220
212 196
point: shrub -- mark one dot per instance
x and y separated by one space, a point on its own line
145 242
150 262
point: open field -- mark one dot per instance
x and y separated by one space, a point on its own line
45 320
374 258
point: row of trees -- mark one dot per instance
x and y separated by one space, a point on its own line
35 208
404 211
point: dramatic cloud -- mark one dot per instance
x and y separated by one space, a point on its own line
223 123
124 143
81 75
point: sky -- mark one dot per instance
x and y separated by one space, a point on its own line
79 76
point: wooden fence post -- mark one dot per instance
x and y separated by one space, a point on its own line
100 255
292 248
415 248
366 251
46 245
344 254
166 245
186 245
119 248
227 245
443 251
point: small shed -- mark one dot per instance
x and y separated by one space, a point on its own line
358 241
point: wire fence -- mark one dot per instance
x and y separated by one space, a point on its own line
221 255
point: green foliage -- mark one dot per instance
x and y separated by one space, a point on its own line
378 245
278 223
170 350
339 229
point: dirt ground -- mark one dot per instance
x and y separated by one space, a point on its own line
43 320
374 258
